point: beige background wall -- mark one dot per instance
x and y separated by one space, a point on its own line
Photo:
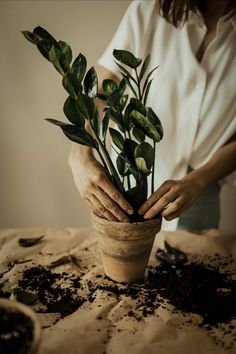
36 186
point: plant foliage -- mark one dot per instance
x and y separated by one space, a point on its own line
137 127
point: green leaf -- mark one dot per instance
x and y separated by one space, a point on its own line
155 121
71 111
114 99
44 47
147 92
79 67
75 133
125 73
144 66
117 117
42 33
144 157
71 85
86 106
31 37
134 104
54 57
25 297
144 123
91 83
66 51
137 196
122 166
138 134
105 123
127 58
128 150
117 138
123 102
129 167
147 79
109 86
29 242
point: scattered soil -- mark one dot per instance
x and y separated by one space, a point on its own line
191 286
16 332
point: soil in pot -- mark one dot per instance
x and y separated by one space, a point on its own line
16 331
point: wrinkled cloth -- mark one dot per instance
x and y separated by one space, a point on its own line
83 332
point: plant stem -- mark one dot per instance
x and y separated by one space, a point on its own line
112 169
153 168
139 90
102 159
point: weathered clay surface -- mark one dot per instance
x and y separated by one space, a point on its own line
125 247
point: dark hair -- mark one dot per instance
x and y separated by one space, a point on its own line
177 11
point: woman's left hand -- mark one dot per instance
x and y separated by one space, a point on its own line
172 198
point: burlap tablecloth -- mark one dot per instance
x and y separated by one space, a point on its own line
83 332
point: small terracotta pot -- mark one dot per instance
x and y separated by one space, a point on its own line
125 247
13 305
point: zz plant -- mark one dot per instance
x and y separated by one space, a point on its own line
135 122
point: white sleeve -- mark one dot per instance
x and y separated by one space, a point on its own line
129 33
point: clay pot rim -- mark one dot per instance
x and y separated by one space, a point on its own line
113 223
18 306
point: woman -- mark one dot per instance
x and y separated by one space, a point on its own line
194 96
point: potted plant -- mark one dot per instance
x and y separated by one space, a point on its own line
20 331
125 246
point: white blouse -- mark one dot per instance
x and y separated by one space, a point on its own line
196 102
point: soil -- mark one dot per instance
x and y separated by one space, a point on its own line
190 286
16 332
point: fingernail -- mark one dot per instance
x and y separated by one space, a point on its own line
140 212
146 216
130 211
125 220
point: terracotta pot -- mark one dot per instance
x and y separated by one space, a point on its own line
125 247
13 305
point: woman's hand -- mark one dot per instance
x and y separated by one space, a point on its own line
172 198
96 187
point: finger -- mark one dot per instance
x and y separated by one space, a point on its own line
161 204
111 206
115 195
173 208
164 188
176 214
99 209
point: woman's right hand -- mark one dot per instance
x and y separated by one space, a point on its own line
95 186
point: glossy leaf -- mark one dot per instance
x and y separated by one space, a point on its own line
144 66
31 37
117 138
54 57
127 58
75 133
86 106
109 86
91 83
105 123
79 67
29 242
134 104
44 47
138 134
126 73
72 112
114 99
117 118
147 92
71 85
148 77
144 157
122 166
144 123
155 121
42 33
127 80
138 195
128 150
66 51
